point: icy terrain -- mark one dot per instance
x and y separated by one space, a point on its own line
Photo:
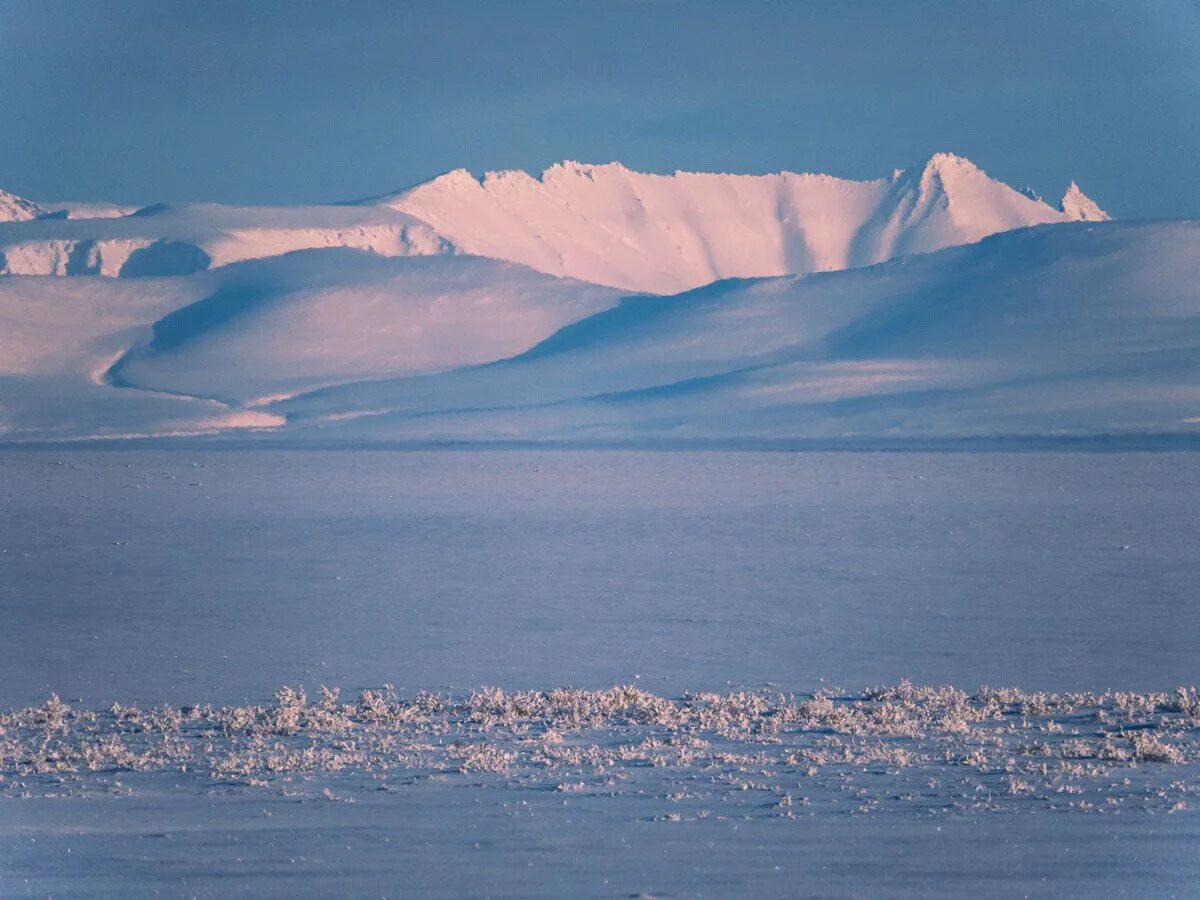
697 663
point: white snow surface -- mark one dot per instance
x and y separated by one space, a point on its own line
599 223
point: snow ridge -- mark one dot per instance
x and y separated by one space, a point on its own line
664 233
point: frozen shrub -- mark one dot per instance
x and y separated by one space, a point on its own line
1148 748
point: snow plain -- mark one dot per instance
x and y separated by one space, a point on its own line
190 576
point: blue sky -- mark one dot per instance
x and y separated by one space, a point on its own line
295 101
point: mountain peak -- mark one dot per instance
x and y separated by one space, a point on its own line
1079 207
949 165
18 209
455 178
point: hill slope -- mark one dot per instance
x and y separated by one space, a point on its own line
99 357
317 317
1074 330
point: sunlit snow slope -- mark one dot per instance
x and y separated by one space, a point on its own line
669 233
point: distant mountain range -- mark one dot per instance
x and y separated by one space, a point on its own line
604 224
595 304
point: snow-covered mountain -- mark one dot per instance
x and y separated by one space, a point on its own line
1078 206
603 224
200 353
180 239
86 210
659 233
596 304
319 317
17 209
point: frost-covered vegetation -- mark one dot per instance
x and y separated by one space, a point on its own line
936 746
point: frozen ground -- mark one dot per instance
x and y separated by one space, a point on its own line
784 575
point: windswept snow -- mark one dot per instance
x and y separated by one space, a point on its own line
599 223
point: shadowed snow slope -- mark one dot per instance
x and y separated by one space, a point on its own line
86 357
1071 329
324 316
603 224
